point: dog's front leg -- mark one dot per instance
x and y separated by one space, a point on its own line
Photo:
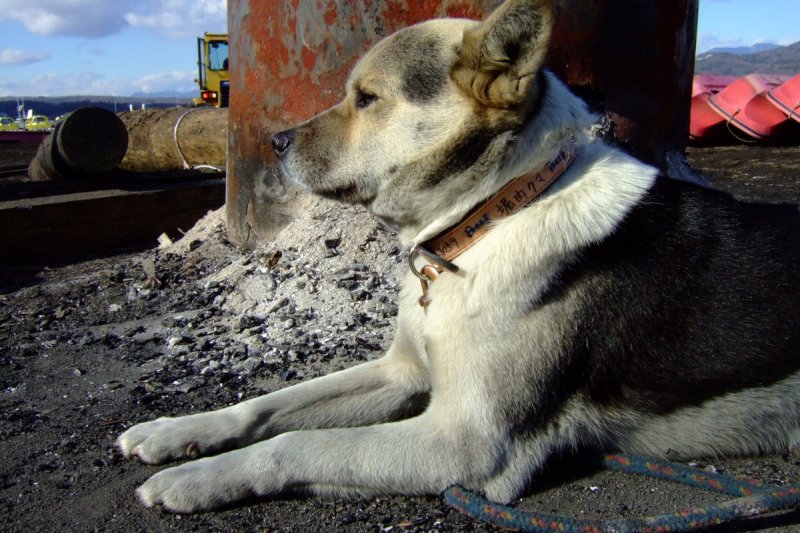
390 388
422 455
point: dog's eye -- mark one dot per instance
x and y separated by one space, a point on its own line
364 99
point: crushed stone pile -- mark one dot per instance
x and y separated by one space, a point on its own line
318 298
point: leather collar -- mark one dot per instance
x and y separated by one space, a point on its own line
516 195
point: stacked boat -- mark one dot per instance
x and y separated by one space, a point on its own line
753 108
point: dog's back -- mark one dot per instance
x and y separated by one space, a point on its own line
688 320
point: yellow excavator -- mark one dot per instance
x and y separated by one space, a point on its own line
212 63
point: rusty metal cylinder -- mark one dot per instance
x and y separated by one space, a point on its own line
88 142
631 60
176 138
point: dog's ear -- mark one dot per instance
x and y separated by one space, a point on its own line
500 57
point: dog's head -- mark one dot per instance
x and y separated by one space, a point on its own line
430 103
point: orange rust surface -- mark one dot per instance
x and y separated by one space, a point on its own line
295 58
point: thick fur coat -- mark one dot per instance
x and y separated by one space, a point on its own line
621 310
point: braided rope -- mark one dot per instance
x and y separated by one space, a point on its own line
752 499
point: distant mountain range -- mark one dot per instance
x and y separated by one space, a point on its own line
53 106
742 50
166 94
761 58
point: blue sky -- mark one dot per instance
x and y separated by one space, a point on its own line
746 22
102 47
118 47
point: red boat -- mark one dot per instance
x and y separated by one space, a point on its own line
745 105
705 123
786 97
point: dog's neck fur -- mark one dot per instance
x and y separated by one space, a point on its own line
560 116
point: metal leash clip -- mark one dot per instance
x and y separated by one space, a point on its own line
428 273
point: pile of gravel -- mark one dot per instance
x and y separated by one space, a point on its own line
319 298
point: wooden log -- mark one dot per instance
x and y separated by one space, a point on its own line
170 139
89 142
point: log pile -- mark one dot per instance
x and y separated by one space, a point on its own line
92 142
86 143
172 139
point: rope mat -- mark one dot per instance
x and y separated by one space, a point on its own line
751 498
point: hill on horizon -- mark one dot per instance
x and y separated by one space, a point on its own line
742 50
779 60
53 106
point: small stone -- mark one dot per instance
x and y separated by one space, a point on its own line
187 385
27 350
212 365
247 322
146 336
176 340
77 372
87 338
251 364
332 243
117 276
132 294
206 345
288 375
283 302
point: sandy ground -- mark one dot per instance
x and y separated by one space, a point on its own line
91 347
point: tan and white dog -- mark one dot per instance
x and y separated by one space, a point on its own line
615 308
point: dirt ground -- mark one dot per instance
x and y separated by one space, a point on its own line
91 347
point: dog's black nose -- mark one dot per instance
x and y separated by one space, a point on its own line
281 142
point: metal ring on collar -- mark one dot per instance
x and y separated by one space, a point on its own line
439 262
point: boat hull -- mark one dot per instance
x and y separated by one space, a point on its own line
786 97
745 105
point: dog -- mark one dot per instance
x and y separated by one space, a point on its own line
561 295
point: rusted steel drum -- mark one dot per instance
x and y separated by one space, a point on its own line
631 60
634 61
87 143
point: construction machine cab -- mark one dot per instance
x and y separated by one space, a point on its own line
212 62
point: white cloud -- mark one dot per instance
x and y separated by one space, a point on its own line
173 80
14 56
49 84
707 41
83 18
181 18
98 18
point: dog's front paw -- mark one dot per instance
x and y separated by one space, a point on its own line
152 442
201 485
169 439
